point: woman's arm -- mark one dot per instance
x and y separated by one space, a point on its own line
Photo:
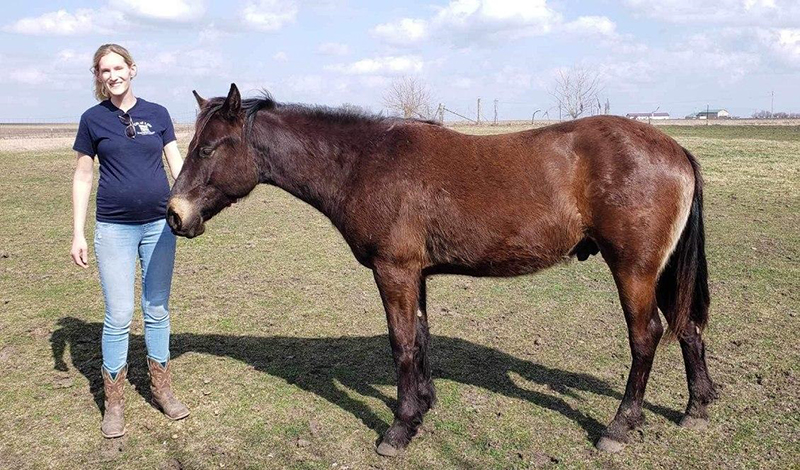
174 159
81 190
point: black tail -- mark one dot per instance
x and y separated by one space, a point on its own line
682 291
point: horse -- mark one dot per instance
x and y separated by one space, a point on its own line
413 199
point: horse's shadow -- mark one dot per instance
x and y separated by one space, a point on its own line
358 363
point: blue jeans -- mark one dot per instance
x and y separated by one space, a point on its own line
116 247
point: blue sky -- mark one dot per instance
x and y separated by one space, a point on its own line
674 55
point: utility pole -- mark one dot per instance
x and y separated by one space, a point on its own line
772 105
708 114
478 121
495 111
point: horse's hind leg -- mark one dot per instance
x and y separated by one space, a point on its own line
400 290
426 390
637 295
701 388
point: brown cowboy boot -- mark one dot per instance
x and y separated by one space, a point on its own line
113 420
160 386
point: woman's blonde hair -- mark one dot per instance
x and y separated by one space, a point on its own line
100 91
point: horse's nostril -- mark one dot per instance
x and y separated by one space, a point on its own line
173 219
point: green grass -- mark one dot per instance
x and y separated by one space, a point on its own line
280 347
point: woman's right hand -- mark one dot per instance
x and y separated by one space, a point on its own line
80 252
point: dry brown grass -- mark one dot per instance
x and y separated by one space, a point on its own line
280 348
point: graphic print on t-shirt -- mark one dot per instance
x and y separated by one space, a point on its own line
143 128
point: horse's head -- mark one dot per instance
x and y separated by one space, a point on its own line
219 167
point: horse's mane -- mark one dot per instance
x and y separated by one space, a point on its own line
323 114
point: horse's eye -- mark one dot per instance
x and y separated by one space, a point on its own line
206 152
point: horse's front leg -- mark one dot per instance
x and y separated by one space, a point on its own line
400 291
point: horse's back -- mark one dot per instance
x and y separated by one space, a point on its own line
516 203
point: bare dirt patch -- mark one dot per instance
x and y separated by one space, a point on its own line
44 137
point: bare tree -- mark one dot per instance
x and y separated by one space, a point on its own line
409 97
355 108
576 90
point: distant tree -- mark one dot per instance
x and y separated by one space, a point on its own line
409 97
778 115
763 114
576 90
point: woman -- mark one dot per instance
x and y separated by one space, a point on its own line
128 135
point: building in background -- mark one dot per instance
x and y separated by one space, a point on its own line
710 114
647 116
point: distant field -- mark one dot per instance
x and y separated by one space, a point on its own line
280 347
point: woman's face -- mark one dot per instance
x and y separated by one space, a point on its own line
115 73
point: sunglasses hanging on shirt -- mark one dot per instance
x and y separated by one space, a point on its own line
130 131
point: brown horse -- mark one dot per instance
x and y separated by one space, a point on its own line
412 199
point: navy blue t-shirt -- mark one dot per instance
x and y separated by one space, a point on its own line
133 185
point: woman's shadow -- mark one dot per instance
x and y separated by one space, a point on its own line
358 363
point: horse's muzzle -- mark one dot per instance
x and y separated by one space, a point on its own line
185 228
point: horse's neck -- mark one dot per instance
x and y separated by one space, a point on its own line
311 165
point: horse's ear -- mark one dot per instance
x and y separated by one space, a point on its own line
200 100
233 103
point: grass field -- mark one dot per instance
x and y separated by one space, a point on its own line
280 348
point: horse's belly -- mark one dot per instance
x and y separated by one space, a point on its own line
512 256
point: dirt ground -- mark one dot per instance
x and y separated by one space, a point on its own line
281 350
43 137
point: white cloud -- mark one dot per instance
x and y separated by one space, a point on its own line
468 21
512 77
181 63
280 56
306 84
28 76
71 57
392 65
749 4
784 45
730 12
374 81
463 83
497 17
63 23
116 16
333 48
404 31
592 25
210 34
169 10
269 15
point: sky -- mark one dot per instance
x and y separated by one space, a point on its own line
675 56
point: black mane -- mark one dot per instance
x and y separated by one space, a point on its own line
324 114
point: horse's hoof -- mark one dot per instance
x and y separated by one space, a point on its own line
606 444
387 450
691 422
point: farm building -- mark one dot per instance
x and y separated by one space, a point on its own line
647 116
710 114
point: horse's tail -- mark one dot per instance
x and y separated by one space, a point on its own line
682 291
